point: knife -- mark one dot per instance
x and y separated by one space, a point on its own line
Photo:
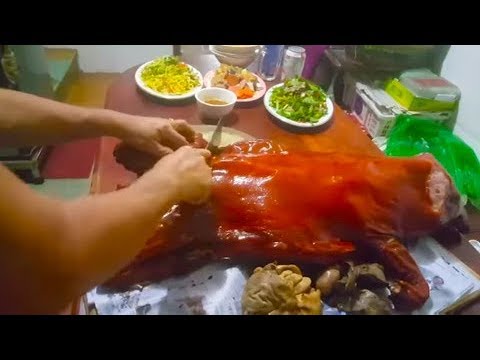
475 244
214 142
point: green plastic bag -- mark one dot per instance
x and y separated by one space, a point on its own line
413 135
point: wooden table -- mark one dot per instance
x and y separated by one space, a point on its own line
342 134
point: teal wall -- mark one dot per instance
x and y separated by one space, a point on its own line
33 77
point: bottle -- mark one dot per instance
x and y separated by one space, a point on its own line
293 62
270 62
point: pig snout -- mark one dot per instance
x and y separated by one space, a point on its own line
447 201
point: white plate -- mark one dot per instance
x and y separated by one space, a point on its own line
207 82
273 112
228 135
141 84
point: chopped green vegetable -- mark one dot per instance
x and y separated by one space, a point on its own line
168 75
299 100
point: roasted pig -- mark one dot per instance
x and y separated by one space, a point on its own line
269 204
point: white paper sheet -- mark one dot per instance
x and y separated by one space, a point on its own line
217 289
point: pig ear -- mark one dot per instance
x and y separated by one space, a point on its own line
452 231
461 222
447 235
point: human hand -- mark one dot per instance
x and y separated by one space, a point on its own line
185 171
156 136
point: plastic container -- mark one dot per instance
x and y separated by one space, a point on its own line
293 62
425 84
410 101
412 136
270 62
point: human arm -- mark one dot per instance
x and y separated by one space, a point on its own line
52 251
27 120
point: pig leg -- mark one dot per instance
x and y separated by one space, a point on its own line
410 290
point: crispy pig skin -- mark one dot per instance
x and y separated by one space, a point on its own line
311 207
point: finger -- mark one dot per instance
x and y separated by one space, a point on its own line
202 196
201 200
161 150
173 139
185 129
204 152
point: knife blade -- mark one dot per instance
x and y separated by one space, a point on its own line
475 244
214 142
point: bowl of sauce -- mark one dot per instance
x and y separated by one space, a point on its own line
214 103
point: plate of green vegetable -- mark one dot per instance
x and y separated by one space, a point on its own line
169 78
299 102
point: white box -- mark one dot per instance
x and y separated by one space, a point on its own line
374 111
377 111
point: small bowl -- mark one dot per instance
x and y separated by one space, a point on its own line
237 49
234 59
214 111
